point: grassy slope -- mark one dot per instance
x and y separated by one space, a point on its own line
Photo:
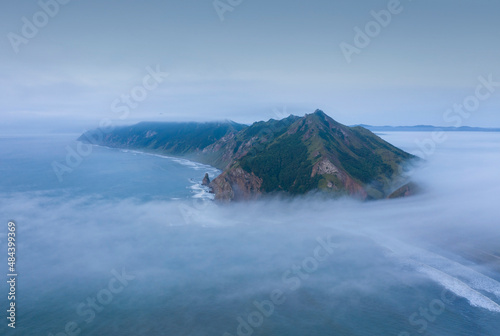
286 163
281 152
172 138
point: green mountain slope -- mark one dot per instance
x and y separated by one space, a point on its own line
170 138
294 155
314 152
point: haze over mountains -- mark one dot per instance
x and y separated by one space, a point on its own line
427 128
294 155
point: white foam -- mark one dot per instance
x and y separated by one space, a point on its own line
185 162
201 191
461 289
197 166
449 269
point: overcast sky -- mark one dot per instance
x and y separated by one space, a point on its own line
265 59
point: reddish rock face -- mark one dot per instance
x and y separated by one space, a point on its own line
345 160
294 155
408 189
236 184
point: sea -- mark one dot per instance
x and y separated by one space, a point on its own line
119 242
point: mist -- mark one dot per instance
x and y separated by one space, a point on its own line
275 266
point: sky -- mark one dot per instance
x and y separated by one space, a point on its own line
89 61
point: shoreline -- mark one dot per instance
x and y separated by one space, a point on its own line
197 189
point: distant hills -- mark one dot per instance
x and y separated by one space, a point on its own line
427 128
293 156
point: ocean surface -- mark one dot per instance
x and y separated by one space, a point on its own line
117 242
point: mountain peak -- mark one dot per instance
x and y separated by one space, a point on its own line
319 115
314 152
319 112
318 120
294 155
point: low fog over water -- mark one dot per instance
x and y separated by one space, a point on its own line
94 262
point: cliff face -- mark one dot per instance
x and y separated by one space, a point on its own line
310 153
236 184
406 190
294 155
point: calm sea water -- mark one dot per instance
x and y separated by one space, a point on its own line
131 244
27 166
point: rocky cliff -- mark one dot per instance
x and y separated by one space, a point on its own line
293 156
298 155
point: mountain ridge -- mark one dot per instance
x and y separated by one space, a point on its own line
315 152
294 155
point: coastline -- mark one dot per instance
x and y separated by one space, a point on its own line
195 183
